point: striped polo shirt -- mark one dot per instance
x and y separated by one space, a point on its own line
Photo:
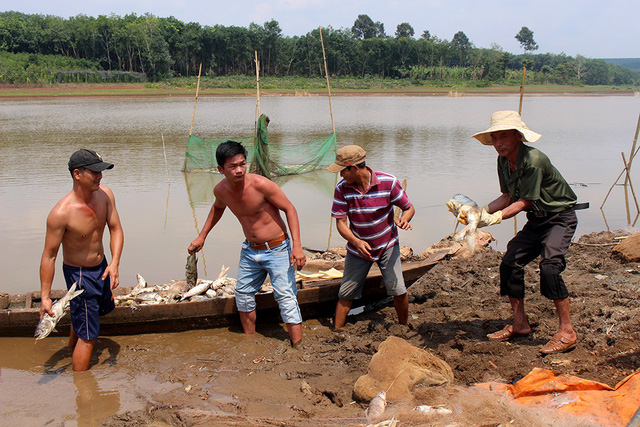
371 214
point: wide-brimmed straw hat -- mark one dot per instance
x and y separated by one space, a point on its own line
506 120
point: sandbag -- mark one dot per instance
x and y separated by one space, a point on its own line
397 368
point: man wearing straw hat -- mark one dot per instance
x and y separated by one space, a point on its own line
367 198
529 182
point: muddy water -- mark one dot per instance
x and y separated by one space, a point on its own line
38 386
424 140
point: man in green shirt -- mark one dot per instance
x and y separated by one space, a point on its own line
529 182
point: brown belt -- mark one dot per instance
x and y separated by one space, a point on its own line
269 244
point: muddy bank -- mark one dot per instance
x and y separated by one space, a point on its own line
90 90
259 380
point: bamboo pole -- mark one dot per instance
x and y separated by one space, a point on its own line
633 148
193 115
257 81
195 102
524 73
333 124
326 74
164 151
634 151
628 178
166 167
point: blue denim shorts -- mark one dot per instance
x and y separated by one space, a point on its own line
356 270
95 301
252 271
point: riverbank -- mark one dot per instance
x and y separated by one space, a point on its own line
158 90
260 381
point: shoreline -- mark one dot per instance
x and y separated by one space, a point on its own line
89 90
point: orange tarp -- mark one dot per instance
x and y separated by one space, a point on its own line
576 396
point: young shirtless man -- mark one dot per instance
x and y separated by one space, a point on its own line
77 222
256 202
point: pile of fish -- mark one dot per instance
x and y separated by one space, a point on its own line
178 291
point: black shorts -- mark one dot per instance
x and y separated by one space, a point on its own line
95 301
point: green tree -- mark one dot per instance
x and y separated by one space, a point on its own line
462 46
404 30
525 38
365 28
426 35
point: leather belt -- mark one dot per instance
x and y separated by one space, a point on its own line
270 244
576 207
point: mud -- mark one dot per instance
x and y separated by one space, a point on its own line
260 380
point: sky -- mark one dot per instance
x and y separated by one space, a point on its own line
591 28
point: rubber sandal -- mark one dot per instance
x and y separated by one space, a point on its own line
556 345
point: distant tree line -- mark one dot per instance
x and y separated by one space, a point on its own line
163 47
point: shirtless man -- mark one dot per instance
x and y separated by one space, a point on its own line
77 222
256 202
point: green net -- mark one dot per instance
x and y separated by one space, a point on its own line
264 158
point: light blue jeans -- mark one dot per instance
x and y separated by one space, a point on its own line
252 270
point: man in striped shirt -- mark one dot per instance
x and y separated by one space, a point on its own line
367 198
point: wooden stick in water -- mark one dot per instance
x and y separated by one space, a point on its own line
326 73
628 178
524 73
195 102
634 151
193 115
164 151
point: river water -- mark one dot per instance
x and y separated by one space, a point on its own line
425 140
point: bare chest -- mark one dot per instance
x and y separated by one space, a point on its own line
85 222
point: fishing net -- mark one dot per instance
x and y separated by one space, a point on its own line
266 159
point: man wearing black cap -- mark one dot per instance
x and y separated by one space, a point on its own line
77 223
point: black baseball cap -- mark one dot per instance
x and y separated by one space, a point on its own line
89 159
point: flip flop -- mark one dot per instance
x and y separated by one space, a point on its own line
556 345
504 334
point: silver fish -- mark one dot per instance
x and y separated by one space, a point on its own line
197 290
376 407
191 269
459 204
204 285
48 323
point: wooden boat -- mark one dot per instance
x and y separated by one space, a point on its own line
316 298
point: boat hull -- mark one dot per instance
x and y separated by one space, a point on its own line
316 298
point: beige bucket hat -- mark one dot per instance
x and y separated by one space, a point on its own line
349 155
506 120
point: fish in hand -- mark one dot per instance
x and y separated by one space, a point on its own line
48 323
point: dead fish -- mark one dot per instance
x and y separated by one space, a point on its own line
376 407
207 284
197 290
48 323
191 269
459 204
140 285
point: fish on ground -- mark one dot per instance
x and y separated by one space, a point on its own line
48 323
377 406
